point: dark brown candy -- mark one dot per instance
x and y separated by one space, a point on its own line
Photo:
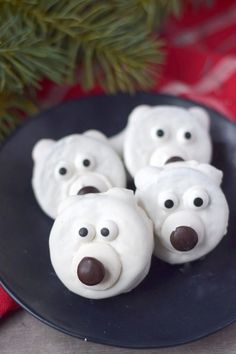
87 190
174 159
90 271
184 238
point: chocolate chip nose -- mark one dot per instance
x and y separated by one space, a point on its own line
184 238
90 271
88 189
174 159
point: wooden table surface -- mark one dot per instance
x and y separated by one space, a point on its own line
20 333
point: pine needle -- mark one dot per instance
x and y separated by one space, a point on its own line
111 41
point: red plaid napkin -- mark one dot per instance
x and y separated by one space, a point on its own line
201 65
201 61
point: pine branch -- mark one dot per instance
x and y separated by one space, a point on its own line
13 108
25 58
111 41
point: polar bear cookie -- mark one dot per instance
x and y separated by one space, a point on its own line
162 134
75 164
187 206
101 244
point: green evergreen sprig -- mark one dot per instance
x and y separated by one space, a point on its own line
113 44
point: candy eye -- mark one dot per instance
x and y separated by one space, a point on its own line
185 136
197 198
86 232
85 162
169 204
198 202
63 170
108 230
83 232
168 201
160 133
105 231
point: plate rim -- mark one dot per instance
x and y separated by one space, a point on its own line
107 342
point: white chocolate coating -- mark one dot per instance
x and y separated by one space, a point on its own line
105 168
125 253
183 183
143 146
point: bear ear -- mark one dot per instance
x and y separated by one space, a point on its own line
139 113
202 116
42 148
96 134
212 172
146 176
121 193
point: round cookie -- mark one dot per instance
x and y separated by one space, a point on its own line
75 164
187 206
162 134
101 244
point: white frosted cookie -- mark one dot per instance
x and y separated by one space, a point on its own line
101 244
187 206
75 164
162 134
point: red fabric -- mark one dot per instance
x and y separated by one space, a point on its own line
6 303
201 65
201 57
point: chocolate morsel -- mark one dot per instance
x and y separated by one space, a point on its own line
184 238
90 271
174 159
88 189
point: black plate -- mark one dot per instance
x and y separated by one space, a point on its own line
173 305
